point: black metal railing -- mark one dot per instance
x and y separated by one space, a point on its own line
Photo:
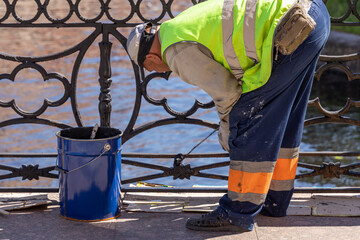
105 24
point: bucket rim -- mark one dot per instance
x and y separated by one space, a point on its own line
88 140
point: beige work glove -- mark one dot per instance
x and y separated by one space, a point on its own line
224 133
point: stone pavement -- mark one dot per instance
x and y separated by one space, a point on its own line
46 223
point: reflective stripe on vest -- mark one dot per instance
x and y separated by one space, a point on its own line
249 35
249 30
228 47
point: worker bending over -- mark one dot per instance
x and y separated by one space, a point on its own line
256 59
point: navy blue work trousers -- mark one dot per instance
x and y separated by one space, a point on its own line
271 118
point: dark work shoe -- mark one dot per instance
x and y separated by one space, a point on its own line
213 222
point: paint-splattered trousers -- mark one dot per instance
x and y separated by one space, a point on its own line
265 132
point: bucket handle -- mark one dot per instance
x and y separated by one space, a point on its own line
106 148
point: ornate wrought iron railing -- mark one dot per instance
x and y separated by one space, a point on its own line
105 24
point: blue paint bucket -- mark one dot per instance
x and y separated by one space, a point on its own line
90 173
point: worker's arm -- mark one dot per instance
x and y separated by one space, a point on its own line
195 65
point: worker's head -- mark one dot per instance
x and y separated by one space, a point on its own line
144 48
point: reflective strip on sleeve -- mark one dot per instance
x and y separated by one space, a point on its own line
252 167
244 182
282 185
254 198
227 31
249 30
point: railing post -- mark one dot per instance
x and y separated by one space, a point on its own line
105 80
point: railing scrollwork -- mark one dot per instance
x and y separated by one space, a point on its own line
104 24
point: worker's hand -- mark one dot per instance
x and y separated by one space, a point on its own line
224 134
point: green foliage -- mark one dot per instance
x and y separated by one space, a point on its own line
337 9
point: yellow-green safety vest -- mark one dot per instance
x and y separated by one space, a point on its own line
239 33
